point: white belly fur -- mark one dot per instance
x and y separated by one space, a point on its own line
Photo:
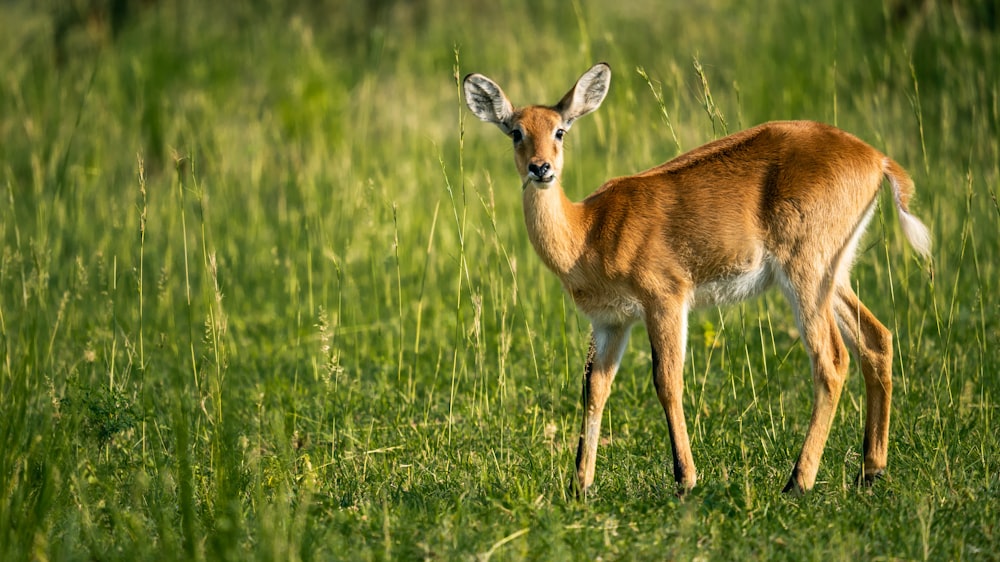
609 308
737 288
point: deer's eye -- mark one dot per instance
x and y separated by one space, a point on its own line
517 135
560 133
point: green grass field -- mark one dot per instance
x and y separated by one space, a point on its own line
266 294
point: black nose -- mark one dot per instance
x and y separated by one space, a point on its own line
539 171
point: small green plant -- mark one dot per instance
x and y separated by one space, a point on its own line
103 413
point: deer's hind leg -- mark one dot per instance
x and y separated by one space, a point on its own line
809 290
871 343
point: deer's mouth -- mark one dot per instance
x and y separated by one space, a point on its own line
545 179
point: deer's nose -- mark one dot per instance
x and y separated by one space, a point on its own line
539 170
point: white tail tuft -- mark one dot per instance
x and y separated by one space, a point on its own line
902 189
915 231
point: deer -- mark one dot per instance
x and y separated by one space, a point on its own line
783 203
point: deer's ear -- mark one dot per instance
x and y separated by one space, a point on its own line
487 101
587 94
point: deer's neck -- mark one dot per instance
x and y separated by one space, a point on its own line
555 227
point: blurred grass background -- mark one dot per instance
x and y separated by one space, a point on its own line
265 290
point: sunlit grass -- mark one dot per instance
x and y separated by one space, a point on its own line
265 289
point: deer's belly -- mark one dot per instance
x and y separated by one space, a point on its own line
608 307
737 287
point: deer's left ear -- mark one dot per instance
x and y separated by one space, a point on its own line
487 101
586 95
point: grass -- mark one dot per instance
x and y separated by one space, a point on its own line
265 291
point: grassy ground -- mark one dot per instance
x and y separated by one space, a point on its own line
265 291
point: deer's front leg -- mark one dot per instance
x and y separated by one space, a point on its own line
606 347
667 336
